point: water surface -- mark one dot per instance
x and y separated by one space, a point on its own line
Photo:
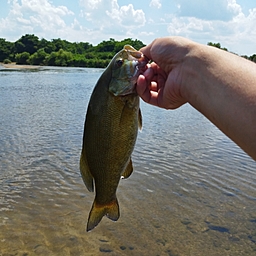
193 191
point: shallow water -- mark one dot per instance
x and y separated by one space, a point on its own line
193 191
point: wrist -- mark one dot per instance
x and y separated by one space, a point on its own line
204 68
192 70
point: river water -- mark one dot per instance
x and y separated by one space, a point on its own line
192 192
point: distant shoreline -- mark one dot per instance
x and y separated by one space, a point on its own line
17 66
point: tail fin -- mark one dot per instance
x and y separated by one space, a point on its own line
97 212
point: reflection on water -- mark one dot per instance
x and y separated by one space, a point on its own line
193 191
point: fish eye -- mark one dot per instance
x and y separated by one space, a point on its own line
119 63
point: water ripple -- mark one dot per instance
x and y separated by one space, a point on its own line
188 176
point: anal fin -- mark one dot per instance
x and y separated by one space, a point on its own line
128 171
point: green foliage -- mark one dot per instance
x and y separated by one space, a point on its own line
38 58
217 45
6 49
48 46
57 52
115 46
7 61
60 58
22 58
27 43
253 58
29 49
81 48
106 46
137 44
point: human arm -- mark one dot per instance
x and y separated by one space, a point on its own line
221 85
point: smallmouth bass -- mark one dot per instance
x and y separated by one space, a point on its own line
110 131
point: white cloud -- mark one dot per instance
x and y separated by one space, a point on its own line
242 30
91 4
225 21
127 16
107 14
111 20
234 7
230 33
155 4
34 16
188 26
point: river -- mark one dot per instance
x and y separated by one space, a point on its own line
192 192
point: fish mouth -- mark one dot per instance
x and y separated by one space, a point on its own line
138 62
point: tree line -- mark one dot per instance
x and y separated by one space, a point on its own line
218 45
29 49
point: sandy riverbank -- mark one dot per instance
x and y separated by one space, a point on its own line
16 66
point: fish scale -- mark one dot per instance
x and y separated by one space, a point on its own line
110 131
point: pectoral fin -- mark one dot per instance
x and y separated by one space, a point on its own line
85 172
128 171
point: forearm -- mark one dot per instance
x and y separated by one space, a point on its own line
222 86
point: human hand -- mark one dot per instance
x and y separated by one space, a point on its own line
219 84
161 83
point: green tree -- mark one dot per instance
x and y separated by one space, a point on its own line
79 61
48 46
6 49
19 47
60 58
106 46
137 44
253 58
217 45
57 52
38 58
245 56
7 61
63 44
81 48
22 58
27 43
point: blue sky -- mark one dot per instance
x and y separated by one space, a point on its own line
229 22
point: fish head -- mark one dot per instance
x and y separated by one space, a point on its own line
125 68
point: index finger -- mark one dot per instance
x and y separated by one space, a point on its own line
146 51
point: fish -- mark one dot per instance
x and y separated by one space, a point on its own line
111 125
